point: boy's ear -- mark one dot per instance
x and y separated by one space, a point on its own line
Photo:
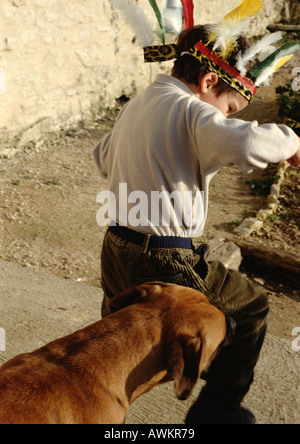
208 81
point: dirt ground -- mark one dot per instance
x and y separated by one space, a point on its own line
48 207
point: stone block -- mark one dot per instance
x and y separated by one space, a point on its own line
226 252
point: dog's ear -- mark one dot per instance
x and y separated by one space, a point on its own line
126 298
184 364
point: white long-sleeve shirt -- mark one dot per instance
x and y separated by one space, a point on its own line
168 141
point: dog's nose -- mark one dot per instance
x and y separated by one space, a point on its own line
231 328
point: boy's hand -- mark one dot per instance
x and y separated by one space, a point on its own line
295 160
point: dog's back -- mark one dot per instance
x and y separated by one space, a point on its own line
92 375
46 374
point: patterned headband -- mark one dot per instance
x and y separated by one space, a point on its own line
208 59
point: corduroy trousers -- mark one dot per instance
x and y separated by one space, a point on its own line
125 264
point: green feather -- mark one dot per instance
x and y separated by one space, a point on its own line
155 8
161 35
285 50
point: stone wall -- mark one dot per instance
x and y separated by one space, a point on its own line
62 62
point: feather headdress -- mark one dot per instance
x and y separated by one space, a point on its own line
188 13
136 19
172 21
259 50
169 20
223 36
161 31
227 31
263 70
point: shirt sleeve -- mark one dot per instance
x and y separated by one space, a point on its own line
222 142
101 154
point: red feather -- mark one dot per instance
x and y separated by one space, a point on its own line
188 13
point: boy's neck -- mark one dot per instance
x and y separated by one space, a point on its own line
194 88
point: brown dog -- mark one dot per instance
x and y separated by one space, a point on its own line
163 332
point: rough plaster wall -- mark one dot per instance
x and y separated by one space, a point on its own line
62 62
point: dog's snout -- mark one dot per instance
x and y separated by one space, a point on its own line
231 328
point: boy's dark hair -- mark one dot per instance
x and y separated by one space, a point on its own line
190 68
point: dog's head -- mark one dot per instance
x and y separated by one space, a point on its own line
194 331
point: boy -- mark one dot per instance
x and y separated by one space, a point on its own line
174 137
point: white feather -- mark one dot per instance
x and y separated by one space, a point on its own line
265 77
227 32
268 51
264 47
172 21
136 19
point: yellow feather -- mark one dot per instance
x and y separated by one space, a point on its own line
246 9
231 25
282 62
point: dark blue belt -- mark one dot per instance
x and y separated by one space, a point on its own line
149 241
